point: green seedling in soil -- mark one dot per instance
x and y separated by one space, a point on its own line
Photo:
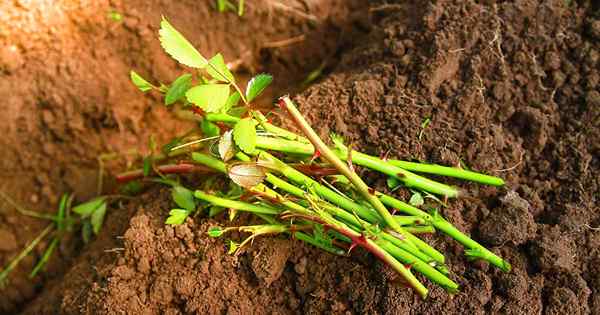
89 218
310 190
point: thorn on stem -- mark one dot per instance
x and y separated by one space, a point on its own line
315 156
198 111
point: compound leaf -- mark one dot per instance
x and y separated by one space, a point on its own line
87 208
176 217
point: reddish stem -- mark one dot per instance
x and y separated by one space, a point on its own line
182 168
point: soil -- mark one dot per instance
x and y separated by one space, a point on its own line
510 88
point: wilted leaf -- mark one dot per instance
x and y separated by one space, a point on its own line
87 208
140 82
247 174
257 85
244 135
184 198
178 47
178 89
226 148
416 199
210 97
97 218
215 231
218 69
176 217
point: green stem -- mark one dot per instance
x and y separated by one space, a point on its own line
4 274
475 250
44 260
328 154
420 229
312 241
408 178
270 128
448 171
234 204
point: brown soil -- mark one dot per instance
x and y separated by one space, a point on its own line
511 88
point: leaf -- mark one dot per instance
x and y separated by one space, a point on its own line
226 148
218 69
132 188
97 218
178 47
214 211
257 85
247 174
184 198
178 89
215 231
232 101
209 129
87 208
416 199
237 111
338 141
210 97
140 82
244 135
233 247
86 231
233 213
176 217
393 183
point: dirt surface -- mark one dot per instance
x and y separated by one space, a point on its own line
510 88
67 97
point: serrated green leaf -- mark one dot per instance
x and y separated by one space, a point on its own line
232 101
178 88
244 135
87 208
184 198
178 47
176 217
215 231
210 97
257 85
97 218
416 199
140 82
218 69
209 129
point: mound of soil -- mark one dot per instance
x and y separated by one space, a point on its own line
510 88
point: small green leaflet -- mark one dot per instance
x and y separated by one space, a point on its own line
178 47
184 198
140 82
86 231
177 217
232 101
86 209
257 85
244 135
209 129
416 199
218 69
210 97
215 231
178 89
98 218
